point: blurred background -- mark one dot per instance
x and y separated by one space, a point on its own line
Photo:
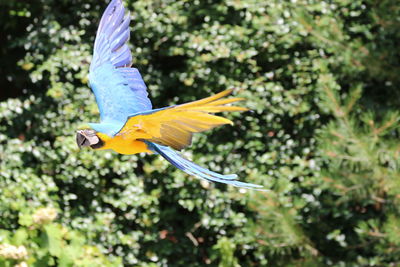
322 78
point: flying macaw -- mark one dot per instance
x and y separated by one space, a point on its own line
128 123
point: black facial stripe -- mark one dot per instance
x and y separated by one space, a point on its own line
98 144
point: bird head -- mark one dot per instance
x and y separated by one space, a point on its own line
88 137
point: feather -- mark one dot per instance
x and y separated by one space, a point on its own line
193 169
175 125
119 90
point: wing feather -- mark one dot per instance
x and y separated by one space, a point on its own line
119 89
174 126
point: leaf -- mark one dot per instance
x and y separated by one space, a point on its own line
20 236
25 219
54 239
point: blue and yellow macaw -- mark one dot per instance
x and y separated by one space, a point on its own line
129 124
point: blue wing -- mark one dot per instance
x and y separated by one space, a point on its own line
119 89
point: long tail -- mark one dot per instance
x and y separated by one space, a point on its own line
193 169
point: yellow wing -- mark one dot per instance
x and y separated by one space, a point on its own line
174 126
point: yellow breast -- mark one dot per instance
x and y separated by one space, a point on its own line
123 144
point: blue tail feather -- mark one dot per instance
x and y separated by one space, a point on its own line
193 169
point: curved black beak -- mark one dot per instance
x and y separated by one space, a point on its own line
81 140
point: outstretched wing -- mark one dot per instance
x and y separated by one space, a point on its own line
118 88
174 126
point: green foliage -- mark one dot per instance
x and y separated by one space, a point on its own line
226 250
41 242
321 78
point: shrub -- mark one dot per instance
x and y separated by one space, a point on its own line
321 79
